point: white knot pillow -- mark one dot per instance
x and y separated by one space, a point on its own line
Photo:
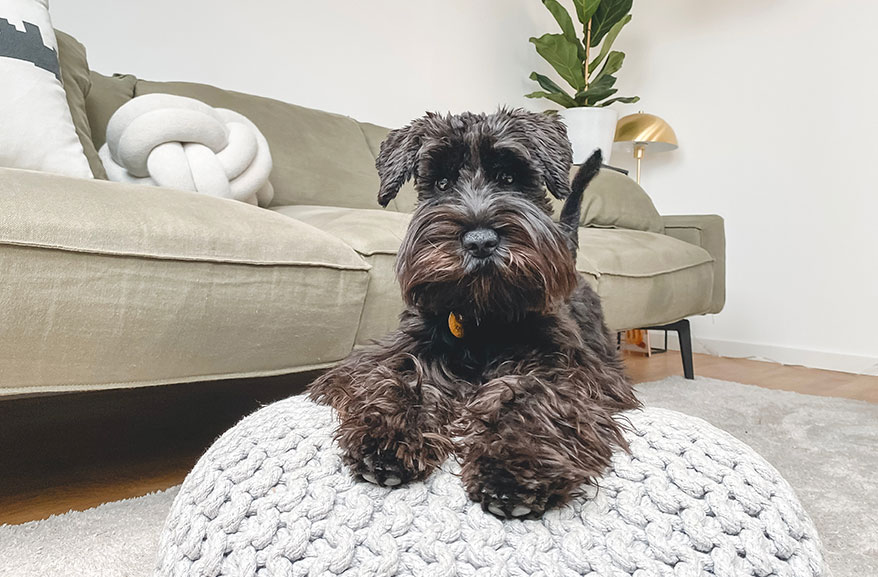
179 142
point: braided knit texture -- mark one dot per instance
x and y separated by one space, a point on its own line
272 498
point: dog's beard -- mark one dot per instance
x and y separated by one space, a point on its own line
531 270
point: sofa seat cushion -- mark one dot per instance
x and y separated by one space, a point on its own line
367 231
645 278
376 235
110 284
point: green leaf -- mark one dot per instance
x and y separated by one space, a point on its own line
585 9
604 82
596 92
623 99
563 56
563 19
559 98
613 64
597 95
608 43
546 83
607 81
608 13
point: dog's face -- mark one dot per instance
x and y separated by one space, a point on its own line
481 242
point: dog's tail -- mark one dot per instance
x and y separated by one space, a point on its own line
570 213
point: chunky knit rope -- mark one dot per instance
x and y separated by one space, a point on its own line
272 498
179 142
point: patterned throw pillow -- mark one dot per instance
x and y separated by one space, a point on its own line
36 128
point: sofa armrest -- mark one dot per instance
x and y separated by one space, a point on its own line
708 232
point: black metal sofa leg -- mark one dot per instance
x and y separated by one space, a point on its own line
685 336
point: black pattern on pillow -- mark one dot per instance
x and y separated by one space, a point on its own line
28 46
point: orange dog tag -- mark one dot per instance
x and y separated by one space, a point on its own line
455 326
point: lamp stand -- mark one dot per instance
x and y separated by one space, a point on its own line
638 154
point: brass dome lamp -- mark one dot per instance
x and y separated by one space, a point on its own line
641 131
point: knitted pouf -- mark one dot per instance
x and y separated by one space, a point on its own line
272 498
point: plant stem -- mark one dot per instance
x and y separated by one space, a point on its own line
587 51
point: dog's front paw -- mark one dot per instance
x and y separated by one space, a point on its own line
411 459
502 494
383 468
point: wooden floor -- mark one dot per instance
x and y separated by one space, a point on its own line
79 450
803 380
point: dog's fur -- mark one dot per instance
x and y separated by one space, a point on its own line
527 396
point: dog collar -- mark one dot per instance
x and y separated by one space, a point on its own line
455 325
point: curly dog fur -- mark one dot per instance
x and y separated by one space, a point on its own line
524 391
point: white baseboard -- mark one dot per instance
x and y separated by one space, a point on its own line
860 365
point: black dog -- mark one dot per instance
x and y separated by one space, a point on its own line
502 355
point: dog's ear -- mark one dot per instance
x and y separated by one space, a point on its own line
550 144
396 160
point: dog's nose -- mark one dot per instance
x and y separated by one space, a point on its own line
481 242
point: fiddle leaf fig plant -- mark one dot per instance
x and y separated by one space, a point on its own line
569 53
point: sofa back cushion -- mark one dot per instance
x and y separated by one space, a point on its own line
614 200
319 157
77 84
407 198
107 94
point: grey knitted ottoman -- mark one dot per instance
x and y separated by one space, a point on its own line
271 498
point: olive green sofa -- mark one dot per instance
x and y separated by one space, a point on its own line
106 285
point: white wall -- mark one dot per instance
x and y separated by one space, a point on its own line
774 104
773 101
385 61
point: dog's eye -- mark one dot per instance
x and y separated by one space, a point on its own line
443 184
507 178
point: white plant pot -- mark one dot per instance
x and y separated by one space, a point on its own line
590 128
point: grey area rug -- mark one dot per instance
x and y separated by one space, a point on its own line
826 448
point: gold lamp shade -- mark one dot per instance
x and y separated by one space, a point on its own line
639 132
646 129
